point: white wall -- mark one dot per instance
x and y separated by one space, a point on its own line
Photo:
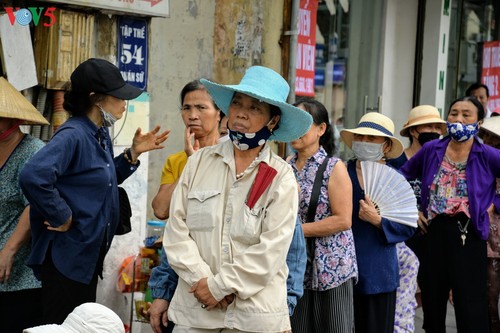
398 60
181 50
435 54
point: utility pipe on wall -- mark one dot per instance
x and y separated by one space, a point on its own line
294 32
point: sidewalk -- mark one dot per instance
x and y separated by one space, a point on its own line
451 326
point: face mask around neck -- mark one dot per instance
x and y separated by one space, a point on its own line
108 119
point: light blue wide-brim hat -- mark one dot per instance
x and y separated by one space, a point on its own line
267 86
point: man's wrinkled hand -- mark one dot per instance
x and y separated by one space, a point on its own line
158 314
202 293
225 302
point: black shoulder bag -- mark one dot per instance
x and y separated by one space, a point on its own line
124 226
311 210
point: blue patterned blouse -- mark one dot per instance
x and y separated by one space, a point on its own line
335 256
12 204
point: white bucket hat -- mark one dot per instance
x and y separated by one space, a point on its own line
86 318
374 123
268 86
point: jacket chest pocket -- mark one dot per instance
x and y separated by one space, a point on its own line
248 227
201 209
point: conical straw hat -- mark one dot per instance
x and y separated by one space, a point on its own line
14 105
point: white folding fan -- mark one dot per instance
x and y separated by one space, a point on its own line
390 192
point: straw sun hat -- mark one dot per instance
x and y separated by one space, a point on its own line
267 86
374 123
14 105
492 125
422 115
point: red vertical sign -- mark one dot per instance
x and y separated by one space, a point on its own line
306 48
491 72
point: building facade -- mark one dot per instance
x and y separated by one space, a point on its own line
371 55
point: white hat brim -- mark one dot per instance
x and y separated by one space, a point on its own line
52 328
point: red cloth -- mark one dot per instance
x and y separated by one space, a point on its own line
264 177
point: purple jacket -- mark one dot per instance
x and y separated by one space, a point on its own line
483 167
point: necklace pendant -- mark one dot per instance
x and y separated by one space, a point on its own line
463 239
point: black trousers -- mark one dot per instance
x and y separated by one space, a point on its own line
417 244
449 265
375 313
169 328
20 309
60 295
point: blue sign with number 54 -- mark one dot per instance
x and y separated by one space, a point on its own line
133 51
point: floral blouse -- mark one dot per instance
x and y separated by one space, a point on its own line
494 237
335 256
12 205
406 303
448 192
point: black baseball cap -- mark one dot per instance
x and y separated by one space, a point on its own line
101 76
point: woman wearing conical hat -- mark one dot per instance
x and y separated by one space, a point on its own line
19 289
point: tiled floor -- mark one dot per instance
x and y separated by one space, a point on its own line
451 327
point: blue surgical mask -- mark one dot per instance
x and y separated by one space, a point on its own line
462 132
107 118
245 141
368 151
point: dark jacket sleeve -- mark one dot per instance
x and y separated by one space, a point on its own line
163 280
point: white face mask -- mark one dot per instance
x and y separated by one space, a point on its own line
107 118
368 151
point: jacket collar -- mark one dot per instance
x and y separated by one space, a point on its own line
440 148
